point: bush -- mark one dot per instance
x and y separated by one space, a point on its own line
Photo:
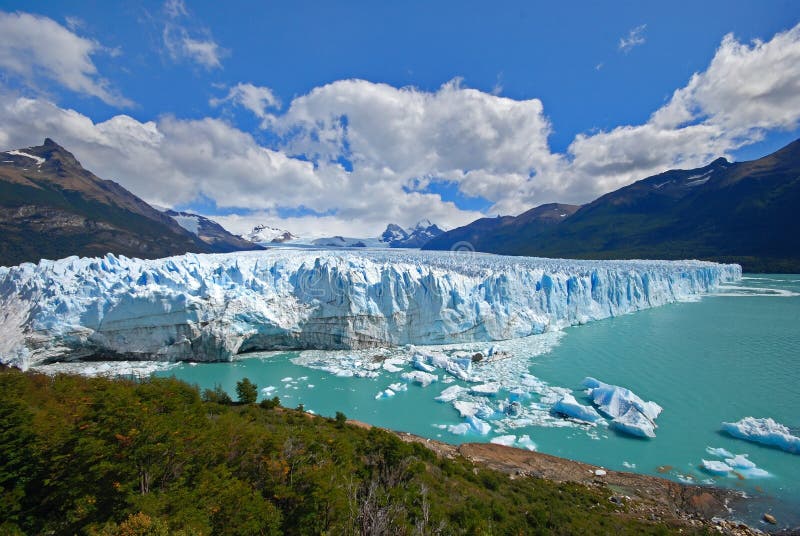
270 403
218 395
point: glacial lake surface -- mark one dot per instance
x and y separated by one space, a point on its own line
721 358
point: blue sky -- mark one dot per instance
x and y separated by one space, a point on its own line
543 76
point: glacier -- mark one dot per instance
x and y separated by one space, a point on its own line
213 307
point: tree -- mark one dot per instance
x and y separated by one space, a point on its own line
341 419
217 395
246 391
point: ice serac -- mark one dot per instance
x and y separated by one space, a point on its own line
213 307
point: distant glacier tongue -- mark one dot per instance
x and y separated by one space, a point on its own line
212 307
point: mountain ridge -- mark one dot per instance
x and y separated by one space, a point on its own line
51 207
728 212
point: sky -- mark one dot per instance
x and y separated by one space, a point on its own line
331 118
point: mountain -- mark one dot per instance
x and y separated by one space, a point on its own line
733 212
263 234
393 237
422 233
51 207
483 234
396 237
212 233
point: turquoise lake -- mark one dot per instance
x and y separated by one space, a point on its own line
721 358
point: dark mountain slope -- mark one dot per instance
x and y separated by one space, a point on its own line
51 207
487 234
737 212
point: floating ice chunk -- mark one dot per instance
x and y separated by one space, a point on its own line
719 452
459 429
754 472
630 413
420 377
633 422
764 431
716 467
740 461
450 394
570 407
525 442
628 465
390 366
485 389
386 393
505 440
512 409
287 379
397 387
419 363
479 426
518 395
466 409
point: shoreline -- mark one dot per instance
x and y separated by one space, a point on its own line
637 495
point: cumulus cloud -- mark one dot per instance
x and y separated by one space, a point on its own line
181 43
352 155
33 47
257 99
634 38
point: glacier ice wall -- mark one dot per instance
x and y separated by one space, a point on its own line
212 307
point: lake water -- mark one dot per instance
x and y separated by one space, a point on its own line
721 358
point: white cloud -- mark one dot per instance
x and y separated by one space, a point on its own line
34 47
181 43
634 38
256 99
398 140
205 52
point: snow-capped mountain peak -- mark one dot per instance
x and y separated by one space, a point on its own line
264 233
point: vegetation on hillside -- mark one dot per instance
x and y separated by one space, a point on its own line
116 457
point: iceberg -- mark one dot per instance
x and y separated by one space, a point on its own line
634 422
570 407
629 413
386 393
214 307
420 377
458 429
450 394
479 426
740 461
398 387
485 389
505 440
525 442
719 452
716 467
764 431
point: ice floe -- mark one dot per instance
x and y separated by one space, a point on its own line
764 431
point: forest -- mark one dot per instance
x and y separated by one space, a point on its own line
96 456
